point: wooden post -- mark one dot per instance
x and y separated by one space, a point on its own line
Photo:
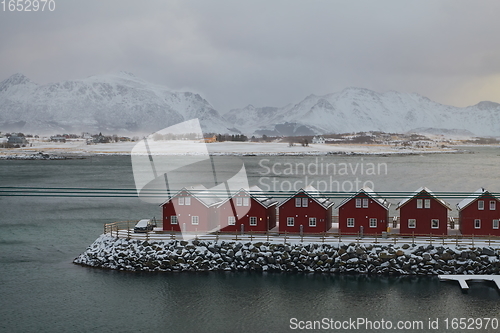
443 239
489 239
472 240
267 233
376 240
413 238
456 240
128 229
430 239
217 235
251 236
284 239
324 232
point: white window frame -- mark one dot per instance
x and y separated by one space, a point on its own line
180 201
246 201
351 222
427 203
412 223
239 201
187 201
312 221
496 223
420 203
480 205
305 202
477 223
253 221
290 221
195 220
432 224
373 222
358 203
174 219
298 202
365 202
231 220
493 205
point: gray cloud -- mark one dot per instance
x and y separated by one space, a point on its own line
265 52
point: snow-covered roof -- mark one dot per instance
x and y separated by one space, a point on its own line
370 193
256 193
419 190
313 194
201 193
471 198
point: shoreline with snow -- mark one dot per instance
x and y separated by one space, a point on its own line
109 252
79 149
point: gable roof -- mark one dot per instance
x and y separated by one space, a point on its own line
370 193
473 197
257 194
418 191
313 194
200 192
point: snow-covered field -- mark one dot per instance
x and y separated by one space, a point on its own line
79 147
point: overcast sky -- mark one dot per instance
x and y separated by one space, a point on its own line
265 53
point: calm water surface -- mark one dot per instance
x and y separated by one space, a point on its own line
42 291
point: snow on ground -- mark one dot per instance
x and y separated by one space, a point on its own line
79 147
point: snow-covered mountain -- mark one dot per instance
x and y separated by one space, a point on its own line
122 103
356 109
117 103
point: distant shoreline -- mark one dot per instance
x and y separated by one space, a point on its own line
72 150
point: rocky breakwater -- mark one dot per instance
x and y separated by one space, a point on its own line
200 255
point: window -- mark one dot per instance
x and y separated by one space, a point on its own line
312 221
358 203
195 220
427 203
435 223
412 223
239 201
298 202
350 222
480 205
365 203
246 202
253 220
477 223
495 224
493 205
290 221
231 220
181 201
174 219
419 203
187 201
373 223
305 202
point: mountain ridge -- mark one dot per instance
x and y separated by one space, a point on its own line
123 103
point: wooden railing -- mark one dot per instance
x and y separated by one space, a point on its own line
125 229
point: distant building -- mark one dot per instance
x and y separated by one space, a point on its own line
17 140
58 139
318 139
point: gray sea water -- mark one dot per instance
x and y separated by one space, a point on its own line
42 291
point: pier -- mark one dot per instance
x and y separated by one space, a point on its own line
462 279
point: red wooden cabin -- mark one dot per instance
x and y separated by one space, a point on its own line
423 213
365 213
247 210
191 209
306 211
479 214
